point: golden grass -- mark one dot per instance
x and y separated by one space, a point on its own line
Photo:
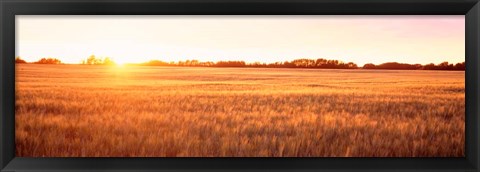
101 111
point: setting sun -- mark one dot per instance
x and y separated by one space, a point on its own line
120 65
120 62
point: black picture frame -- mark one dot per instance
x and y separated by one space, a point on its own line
10 8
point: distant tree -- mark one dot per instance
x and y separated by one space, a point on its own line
429 66
48 61
194 62
208 63
92 60
445 66
108 61
257 64
320 62
397 66
288 64
351 65
369 66
19 60
230 64
418 66
459 66
303 63
156 63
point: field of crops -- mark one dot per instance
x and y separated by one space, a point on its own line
113 111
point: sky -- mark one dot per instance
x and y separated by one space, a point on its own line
132 39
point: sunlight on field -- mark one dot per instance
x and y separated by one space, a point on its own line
126 111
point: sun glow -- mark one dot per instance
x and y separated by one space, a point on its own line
120 62
120 65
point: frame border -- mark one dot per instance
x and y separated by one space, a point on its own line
10 8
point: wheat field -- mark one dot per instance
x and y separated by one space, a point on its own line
134 111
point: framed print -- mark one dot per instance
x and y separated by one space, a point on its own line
255 85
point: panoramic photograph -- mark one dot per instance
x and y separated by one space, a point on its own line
240 86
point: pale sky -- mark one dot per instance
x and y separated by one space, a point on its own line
358 39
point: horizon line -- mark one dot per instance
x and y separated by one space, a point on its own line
113 59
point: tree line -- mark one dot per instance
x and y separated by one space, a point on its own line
404 66
92 60
41 61
310 63
297 63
